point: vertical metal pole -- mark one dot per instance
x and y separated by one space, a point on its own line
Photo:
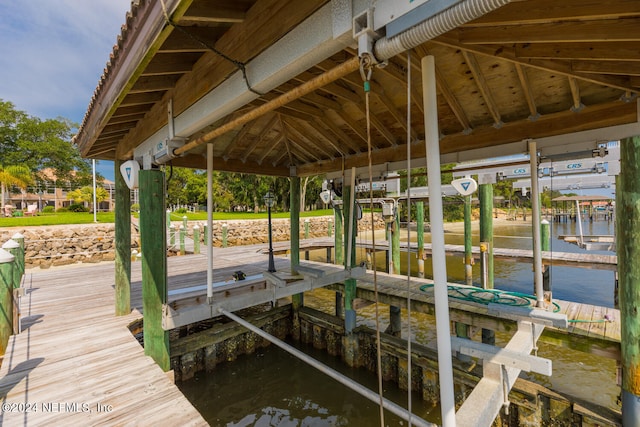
420 237
445 365
95 207
209 222
628 250
468 255
122 244
579 219
535 219
154 265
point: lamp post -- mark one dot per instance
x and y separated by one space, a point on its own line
269 200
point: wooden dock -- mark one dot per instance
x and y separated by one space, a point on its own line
75 363
555 258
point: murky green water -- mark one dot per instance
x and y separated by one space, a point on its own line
272 388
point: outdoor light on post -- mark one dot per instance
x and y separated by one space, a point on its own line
269 200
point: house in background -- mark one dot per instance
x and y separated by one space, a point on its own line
48 192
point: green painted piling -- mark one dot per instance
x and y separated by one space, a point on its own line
172 235
329 227
628 250
122 244
339 258
395 244
7 262
184 222
183 235
420 238
545 237
468 255
196 239
14 249
154 265
297 300
225 234
349 284
19 238
306 228
485 194
168 218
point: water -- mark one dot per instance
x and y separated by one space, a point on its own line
272 388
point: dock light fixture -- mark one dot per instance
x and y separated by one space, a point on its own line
269 200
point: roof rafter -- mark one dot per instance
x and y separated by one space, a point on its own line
473 65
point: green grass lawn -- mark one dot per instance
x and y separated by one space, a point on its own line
60 218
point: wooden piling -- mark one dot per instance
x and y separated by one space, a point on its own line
545 237
154 265
420 238
349 284
628 250
468 256
122 243
6 298
196 239
14 249
294 202
485 194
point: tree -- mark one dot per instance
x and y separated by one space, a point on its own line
85 195
39 144
17 175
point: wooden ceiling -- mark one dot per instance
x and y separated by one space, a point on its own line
531 69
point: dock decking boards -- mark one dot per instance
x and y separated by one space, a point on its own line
77 363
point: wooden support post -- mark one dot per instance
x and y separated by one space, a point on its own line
628 250
294 201
122 243
338 245
172 235
7 262
545 237
19 238
339 257
154 265
306 236
14 249
485 194
329 227
168 216
420 238
395 320
225 235
196 239
468 256
183 235
349 284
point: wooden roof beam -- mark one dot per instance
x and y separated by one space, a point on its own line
528 93
271 145
546 11
207 12
593 51
239 136
265 130
342 136
446 92
315 126
472 63
607 67
154 83
574 31
575 95
297 130
560 67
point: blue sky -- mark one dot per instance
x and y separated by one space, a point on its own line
54 52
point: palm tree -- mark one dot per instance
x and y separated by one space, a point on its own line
17 175
85 194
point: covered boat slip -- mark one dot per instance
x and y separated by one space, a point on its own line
357 89
72 350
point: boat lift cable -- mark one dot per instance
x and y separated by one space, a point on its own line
409 373
348 382
365 72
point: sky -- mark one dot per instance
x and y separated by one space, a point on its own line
53 52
